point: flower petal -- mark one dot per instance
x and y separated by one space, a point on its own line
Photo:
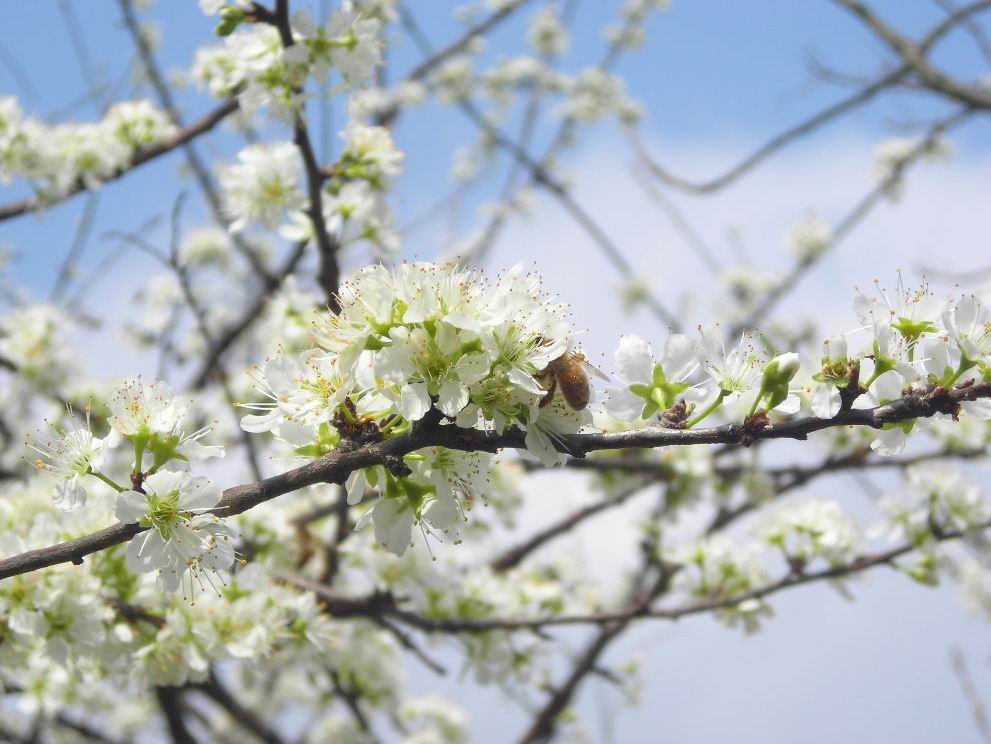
634 359
131 507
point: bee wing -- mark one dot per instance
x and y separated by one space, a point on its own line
595 371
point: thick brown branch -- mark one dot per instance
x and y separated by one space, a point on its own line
336 466
170 701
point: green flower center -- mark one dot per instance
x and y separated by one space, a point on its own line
165 513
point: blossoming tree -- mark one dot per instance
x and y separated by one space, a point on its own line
373 425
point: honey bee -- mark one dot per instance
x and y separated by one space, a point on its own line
569 372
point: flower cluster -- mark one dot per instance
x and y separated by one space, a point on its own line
892 155
302 606
266 187
457 590
547 35
594 94
915 343
631 32
692 371
33 341
425 338
417 338
254 65
180 540
354 203
72 634
79 635
935 499
810 238
263 185
717 568
57 159
811 530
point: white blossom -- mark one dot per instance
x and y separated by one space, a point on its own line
735 372
810 238
653 386
70 453
968 323
33 339
263 185
179 536
547 35
813 529
370 154
153 413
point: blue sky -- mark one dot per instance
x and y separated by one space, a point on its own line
712 71
716 78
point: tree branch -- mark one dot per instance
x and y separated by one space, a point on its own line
380 603
170 701
913 54
227 337
418 73
247 718
146 155
329 276
885 82
196 164
336 466
512 557
848 223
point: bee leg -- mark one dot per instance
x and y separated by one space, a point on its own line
545 401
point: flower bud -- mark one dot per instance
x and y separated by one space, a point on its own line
780 370
777 374
231 17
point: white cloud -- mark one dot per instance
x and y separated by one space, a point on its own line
834 671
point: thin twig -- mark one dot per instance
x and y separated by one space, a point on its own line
329 275
850 221
196 164
418 73
977 706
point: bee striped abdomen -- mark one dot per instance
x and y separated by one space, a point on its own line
571 379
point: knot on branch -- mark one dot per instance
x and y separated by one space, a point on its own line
752 427
356 431
852 390
932 400
676 416
395 465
